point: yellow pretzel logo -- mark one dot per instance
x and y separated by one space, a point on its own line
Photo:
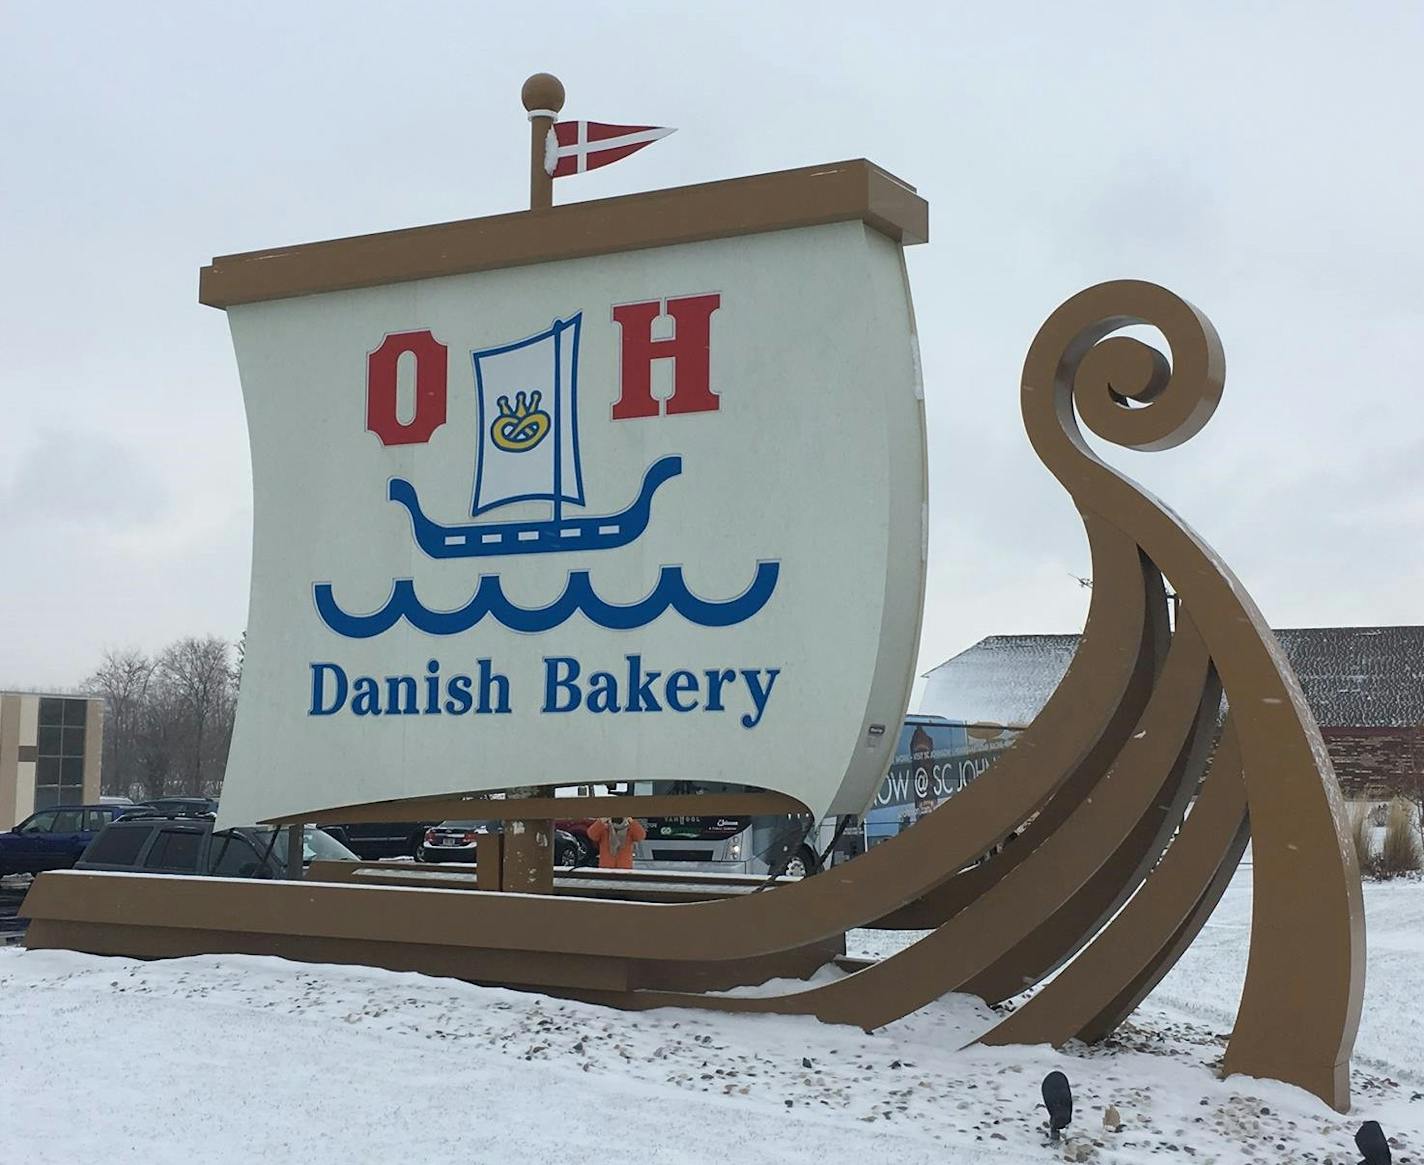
521 428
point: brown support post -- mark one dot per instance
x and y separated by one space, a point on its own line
543 97
528 851
295 835
489 861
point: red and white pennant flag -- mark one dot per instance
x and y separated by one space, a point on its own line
576 146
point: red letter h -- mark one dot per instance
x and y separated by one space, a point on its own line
688 349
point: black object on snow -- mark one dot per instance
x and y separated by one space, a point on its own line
1370 1140
1058 1099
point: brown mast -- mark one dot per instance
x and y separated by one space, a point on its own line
526 849
543 96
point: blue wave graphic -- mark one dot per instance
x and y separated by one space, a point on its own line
671 592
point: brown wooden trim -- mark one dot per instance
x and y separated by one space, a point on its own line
1112 553
1335 731
550 808
1162 765
530 969
593 873
812 196
1300 1004
1086 1000
576 976
430 931
410 875
490 872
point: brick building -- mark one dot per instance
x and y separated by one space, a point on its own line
1365 686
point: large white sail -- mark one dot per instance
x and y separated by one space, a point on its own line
696 550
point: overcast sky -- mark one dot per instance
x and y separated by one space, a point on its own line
1262 160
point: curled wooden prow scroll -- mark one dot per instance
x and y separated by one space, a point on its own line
1166 748
1300 1005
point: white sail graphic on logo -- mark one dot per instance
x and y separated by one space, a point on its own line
528 421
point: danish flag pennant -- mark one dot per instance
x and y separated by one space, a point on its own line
576 146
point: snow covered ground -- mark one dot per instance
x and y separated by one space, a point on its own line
235 1059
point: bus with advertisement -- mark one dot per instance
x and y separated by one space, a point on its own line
934 759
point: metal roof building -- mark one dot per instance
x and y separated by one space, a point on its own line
1365 686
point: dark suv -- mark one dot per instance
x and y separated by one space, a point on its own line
188 845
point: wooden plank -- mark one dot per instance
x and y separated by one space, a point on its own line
813 196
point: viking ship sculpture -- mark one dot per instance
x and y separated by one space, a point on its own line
1171 743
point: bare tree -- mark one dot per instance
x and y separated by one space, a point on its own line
161 737
168 719
122 678
198 675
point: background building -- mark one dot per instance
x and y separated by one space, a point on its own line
50 747
1365 686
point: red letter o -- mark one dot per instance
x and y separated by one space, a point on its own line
431 372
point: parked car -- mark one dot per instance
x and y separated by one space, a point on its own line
53 839
454 841
386 839
188 845
192 806
578 828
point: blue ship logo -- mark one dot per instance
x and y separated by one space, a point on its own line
528 451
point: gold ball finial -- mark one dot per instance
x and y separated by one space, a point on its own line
543 91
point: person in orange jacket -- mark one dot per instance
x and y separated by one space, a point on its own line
615 838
